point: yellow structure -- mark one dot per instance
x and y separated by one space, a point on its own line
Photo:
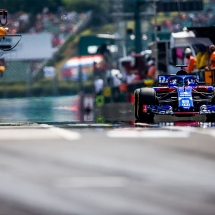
2 68
209 77
3 32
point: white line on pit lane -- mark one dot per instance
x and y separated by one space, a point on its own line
66 134
26 134
91 182
143 124
205 131
134 133
51 133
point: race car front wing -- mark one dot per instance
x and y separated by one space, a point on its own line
168 110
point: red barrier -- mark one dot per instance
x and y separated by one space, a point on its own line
132 98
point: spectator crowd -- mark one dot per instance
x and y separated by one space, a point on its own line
190 19
60 24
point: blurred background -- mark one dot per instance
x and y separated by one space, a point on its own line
69 144
91 47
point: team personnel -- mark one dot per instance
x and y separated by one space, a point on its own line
190 61
98 85
151 70
212 57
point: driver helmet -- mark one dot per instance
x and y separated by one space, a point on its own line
179 82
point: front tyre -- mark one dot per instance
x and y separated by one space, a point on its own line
144 96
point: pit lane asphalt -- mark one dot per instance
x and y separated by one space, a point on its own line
111 169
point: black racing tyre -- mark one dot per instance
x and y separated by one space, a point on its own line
144 96
136 103
213 99
210 117
148 96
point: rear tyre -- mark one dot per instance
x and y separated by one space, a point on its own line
136 103
144 96
210 117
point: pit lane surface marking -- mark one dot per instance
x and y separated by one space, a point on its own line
66 134
42 132
137 133
204 130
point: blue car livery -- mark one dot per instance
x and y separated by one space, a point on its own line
179 95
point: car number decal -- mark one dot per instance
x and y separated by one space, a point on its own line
185 103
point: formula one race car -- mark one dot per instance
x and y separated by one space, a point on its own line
178 95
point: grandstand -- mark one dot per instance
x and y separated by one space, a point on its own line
37 46
177 20
60 26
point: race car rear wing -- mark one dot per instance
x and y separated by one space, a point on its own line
163 79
